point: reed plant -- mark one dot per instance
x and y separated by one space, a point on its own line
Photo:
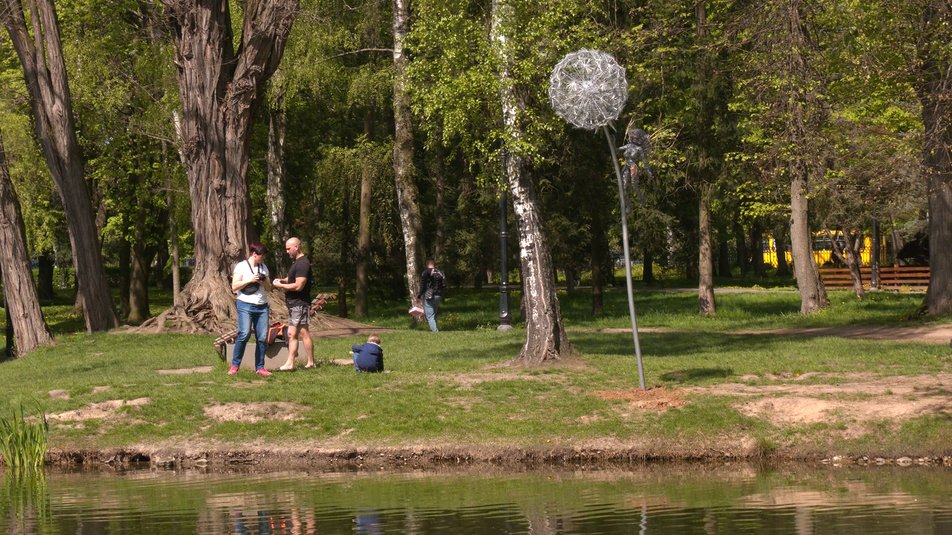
23 441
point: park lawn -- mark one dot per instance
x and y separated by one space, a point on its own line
456 388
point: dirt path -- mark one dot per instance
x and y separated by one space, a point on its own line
935 334
940 334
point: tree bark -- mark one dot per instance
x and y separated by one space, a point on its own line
812 294
45 74
362 262
125 270
19 292
545 332
740 242
599 257
139 274
757 251
175 261
801 129
780 242
44 274
439 176
403 169
723 254
277 126
705 291
647 266
849 255
935 94
219 89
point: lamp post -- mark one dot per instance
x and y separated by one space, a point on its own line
505 317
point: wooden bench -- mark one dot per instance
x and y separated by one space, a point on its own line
889 276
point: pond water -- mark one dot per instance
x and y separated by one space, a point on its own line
682 499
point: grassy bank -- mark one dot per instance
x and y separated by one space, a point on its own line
453 390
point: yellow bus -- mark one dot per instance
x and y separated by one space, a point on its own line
822 249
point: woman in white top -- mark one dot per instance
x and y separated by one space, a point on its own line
249 281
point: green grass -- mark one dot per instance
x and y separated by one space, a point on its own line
454 388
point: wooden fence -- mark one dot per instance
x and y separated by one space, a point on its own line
889 276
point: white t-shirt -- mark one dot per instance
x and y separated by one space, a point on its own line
243 272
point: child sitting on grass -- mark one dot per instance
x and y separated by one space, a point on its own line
368 357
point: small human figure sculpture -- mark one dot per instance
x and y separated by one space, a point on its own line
635 153
368 357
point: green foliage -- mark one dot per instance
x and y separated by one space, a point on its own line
23 441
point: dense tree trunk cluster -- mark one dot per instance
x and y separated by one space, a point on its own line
41 57
220 88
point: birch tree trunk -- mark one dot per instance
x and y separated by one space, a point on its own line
220 89
545 333
277 126
44 71
22 302
403 170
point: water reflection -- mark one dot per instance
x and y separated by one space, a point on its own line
645 500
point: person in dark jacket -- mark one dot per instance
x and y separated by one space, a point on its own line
432 282
368 357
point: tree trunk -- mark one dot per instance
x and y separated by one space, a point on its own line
45 74
757 251
780 242
439 176
812 293
139 274
125 269
705 290
647 266
403 171
344 261
277 126
545 333
219 90
175 262
935 94
44 284
361 306
740 240
723 254
849 255
599 257
22 303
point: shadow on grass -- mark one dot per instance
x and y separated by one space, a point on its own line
500 350
694 374
669 344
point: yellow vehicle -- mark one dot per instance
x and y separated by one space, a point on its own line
822 249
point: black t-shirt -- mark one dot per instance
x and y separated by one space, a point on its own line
299 268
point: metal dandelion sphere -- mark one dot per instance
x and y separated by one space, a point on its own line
588 88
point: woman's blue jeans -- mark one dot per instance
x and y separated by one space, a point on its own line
248 314
430 307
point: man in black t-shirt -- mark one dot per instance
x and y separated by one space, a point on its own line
297 287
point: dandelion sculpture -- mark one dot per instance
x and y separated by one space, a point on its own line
588 89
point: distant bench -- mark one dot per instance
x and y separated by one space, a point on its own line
889 276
